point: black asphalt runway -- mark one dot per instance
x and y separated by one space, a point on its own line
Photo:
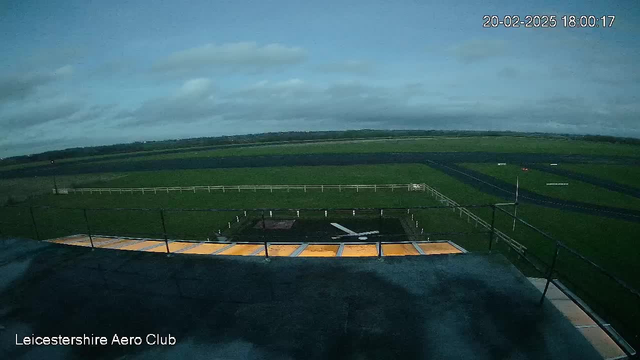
444 161
609 185
497 187
469 306
309 160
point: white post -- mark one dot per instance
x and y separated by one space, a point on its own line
325 213
237 218
340 188
411 216
209 188
238 188
270 213
416 223
375 189
229 224
222 188
515 207
357 188
305 188
271 187
245 213
354 213
322 187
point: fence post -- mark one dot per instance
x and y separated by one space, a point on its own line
86 220
33 220
379 250
164 230
493 229
266 247
550 274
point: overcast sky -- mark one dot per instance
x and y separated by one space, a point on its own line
81 73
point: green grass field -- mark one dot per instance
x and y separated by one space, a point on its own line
438 144
504 144
623 174
534 180
610 243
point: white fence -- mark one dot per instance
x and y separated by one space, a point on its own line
240 188
471 216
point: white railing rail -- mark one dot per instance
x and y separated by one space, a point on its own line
239 188
471 216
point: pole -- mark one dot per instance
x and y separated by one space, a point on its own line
33 220
515 207
266 247
55 184
493 229
550 274
86 220
164 230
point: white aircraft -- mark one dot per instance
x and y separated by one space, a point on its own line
349 233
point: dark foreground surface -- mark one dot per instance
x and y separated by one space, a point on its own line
470 306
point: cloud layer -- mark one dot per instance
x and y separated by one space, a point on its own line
169 71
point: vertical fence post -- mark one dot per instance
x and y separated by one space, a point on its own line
550 274
379 249
33 220
493 228
164 230
266 247
86 221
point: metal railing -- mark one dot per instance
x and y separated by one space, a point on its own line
471 216
233 218
240 188
552 271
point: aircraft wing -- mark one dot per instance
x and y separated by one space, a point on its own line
343 229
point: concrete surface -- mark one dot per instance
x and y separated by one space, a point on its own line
468 306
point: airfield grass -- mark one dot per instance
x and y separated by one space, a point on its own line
22 188
623 174
609 242
506 144
535 181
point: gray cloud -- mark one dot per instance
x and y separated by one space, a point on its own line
478 50
40 113
360 105
233 56
354 67
18 87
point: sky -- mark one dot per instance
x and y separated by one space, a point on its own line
87 73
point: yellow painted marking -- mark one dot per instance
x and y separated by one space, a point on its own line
399 250
115 244
177 246
141 245
602 342
438 248
241 249
204 249
96 241
70 239
279 250
320 251
359 250
572 312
